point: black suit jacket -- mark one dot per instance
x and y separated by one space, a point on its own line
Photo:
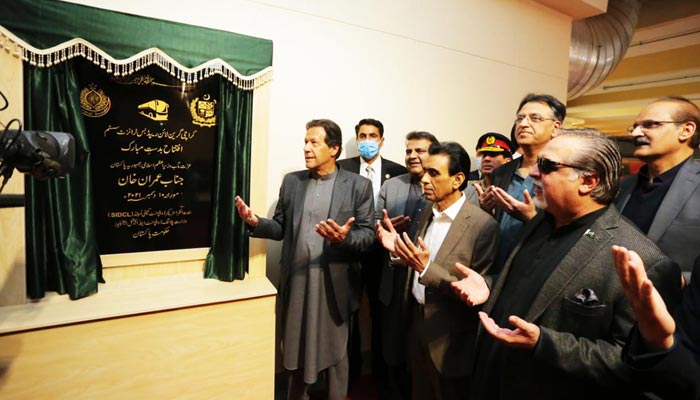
578 352
390 169
674 374
372 260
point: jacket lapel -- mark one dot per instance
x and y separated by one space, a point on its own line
528 228
504 179
678 194
384 171
425 218
299 195
585 249
455 233
626 188
340 194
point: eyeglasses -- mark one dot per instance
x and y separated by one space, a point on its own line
547 166
534 118
649 124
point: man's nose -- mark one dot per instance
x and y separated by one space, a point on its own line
534 171
524 122
637 131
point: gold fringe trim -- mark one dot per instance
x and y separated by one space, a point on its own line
82 48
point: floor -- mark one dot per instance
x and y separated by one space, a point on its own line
361 388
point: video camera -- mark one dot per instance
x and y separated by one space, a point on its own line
42 154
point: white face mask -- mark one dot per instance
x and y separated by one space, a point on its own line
478 163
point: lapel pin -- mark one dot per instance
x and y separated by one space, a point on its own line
387 176
591 234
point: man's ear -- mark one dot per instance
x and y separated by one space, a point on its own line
588 183
555 128
689 129
334 151
459 179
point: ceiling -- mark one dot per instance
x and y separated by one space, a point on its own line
663 59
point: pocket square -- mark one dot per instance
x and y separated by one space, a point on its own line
587 297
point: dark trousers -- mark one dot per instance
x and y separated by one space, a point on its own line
397 383
427 382
370 285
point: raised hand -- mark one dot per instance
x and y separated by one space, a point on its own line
246 212
654 321
416 257
521 210
487 199
401 223
386 233
524 336
472 289
333 232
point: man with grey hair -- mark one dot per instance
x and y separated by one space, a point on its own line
555 319
663 198
441 329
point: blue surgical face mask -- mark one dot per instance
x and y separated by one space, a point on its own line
478 163
368 149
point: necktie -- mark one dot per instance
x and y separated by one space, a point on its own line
370 172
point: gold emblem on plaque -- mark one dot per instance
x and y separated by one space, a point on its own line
156 110
203 111
94 103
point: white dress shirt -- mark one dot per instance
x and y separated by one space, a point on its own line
376 176
434 236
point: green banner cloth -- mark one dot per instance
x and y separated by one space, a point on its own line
62 253
47 23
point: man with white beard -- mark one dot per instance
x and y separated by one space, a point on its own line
555 320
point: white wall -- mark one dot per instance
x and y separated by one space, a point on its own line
456 68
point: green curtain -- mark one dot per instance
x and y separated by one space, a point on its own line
47 23
228 258
62 251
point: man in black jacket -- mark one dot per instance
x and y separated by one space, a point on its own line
538 118
663 350
369 134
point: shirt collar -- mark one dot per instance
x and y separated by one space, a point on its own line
326 177
451 211
584 220
376 165
667 176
